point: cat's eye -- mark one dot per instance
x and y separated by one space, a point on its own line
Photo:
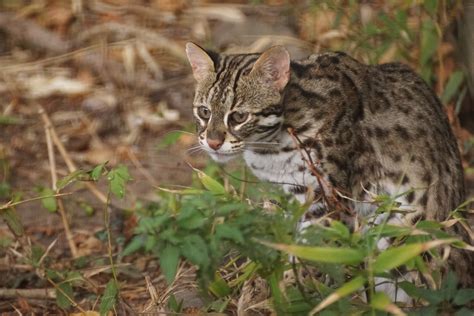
238 117
204 112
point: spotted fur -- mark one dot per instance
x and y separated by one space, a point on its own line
365 129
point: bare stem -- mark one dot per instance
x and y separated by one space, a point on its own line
54 179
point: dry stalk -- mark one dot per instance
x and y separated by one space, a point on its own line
65 155
153 293
52 163
109 238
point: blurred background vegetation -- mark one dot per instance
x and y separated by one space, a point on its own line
110 82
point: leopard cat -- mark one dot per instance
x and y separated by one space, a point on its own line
331 124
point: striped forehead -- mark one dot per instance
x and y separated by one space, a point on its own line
228 72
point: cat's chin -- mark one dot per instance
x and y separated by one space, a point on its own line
223 158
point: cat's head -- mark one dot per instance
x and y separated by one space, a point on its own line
237 104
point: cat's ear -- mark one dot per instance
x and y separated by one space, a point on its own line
201 63
274 67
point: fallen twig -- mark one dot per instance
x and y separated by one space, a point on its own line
48 293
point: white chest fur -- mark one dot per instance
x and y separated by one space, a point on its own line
285 168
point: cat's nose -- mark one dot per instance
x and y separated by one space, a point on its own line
215 143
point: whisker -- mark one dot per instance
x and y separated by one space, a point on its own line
196 151
258 146
194 147
266 143
181 131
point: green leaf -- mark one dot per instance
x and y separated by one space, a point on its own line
449 286
174 305
347 289
13 221
97 171
109 298
248 271
341 229
64 289
382 302
191 219
169 259
210 184
77 175
229 232
454 82
433 297
464 296
395 257
429 41
278 298
219 287
134 245
321 254
389 231
49 200
117 178
429 225
194 248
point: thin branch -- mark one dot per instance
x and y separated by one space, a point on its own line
11 204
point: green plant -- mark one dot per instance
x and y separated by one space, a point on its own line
210 226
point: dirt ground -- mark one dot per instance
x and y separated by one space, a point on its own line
112 78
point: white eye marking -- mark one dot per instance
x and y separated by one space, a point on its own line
226 120
269 120
236 127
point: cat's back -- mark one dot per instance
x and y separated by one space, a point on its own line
408 123
384 122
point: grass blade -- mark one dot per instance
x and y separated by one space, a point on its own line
395 257
347 289
382 302
210 184
321 254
